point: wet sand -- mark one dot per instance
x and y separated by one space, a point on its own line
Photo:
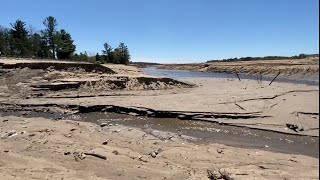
195 131
40 148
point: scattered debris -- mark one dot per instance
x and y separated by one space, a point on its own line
293 160
32 134
214 176
5 120
225 175
262 167
219 151
158 151
67 153
79 156
140 159
153 154
116 131
103 124
294 127
242 174
6 151
106 142
9 134
73 129
68 135
115 152
43 130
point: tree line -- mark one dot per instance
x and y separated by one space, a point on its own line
50 42
300 56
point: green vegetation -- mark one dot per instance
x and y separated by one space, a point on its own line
300 56
53 43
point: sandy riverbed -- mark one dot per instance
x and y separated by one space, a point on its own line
38 152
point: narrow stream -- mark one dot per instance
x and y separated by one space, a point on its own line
204 132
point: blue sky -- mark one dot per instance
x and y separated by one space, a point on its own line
179 31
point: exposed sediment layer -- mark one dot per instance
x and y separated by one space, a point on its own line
287 68
87 67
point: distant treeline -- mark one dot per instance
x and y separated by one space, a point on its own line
144 64
50 42
300 56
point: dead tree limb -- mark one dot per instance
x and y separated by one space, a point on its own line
238 76
273 105
274 78
239 106
96 155
271 97
307 113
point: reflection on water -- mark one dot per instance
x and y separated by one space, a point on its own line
175 74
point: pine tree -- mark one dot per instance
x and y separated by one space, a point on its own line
107 53
124 54
98 57
19 41
116 54
50 32
65 46
36 44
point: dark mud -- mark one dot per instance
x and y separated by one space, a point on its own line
203 132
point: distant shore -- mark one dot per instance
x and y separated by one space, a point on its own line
286 68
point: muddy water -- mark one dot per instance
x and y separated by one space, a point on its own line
204 132
193 74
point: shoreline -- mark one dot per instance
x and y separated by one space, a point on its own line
194 74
